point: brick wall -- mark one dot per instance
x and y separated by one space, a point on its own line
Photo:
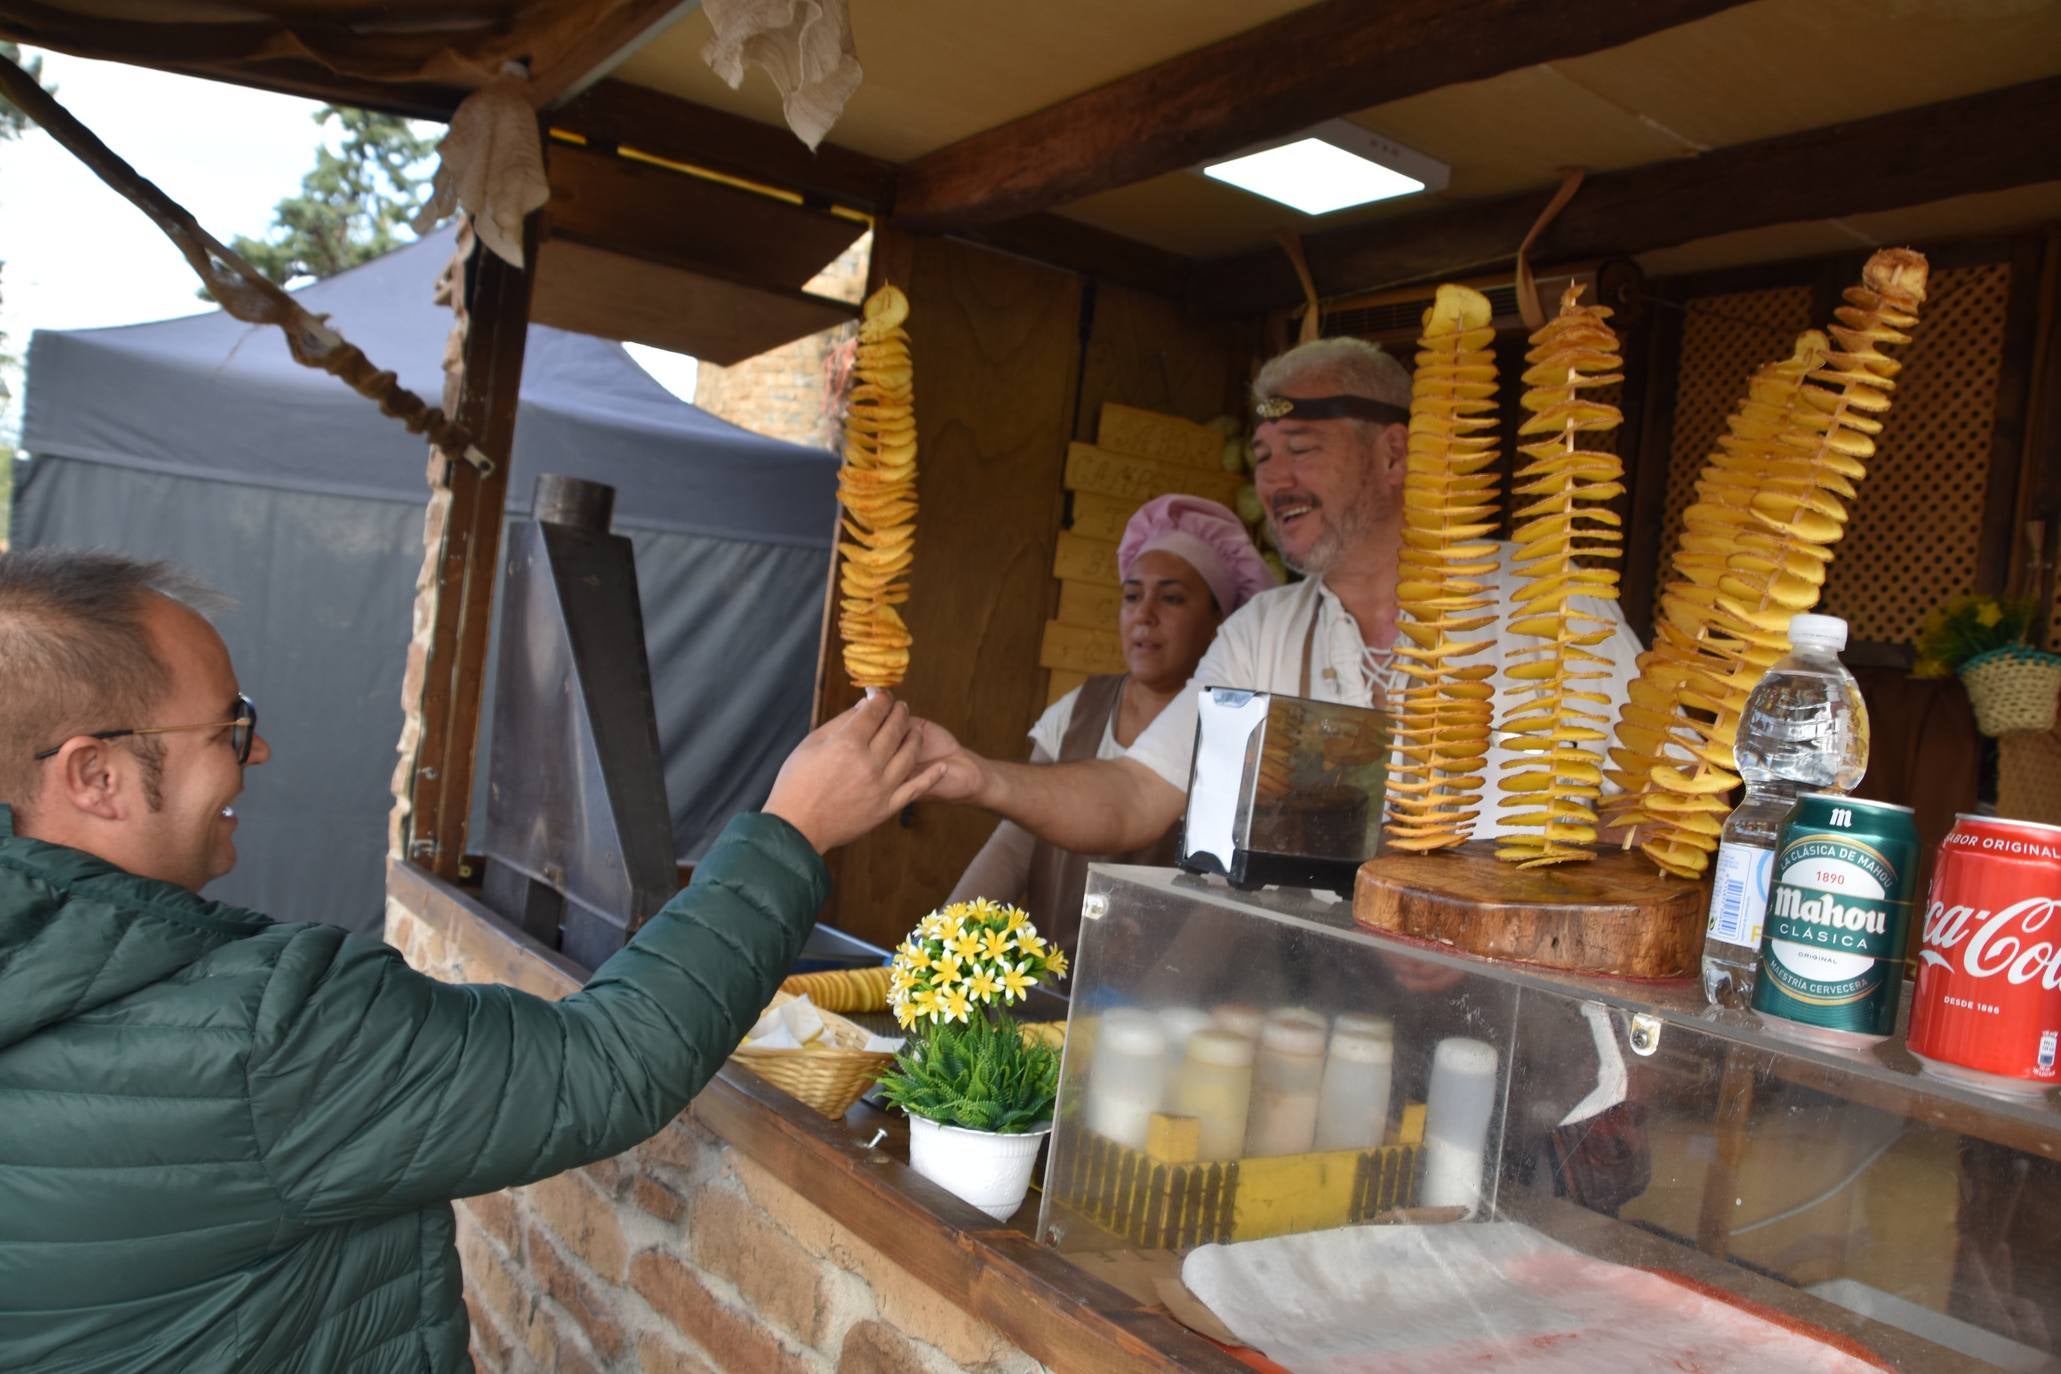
785 393
683 1255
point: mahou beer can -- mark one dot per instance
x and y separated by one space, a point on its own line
1988 1003
1832 942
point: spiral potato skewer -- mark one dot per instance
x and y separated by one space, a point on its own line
1692 658
1449 512
1795 512
1558 771
876 485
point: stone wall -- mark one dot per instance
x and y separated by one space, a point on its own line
786 393
682 1255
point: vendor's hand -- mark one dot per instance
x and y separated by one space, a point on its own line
852 773
963 774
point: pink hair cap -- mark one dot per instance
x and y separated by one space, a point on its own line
1205 535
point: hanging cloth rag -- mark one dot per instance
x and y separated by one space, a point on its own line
804 45
492 164
1528 289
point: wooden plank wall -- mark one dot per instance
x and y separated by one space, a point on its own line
1153 355
1013 360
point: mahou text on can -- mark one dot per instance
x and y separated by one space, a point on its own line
1832 942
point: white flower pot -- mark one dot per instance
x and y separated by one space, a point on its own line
990 1171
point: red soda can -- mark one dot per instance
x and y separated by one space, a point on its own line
1987 1009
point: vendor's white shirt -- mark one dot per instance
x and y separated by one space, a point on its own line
1050 731
1260 648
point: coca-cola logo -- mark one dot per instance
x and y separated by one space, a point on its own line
1992 943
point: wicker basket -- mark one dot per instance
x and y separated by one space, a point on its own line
827 1076
2013 689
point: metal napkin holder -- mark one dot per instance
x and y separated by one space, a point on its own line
1285 790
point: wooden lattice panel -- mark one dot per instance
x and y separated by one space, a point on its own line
1724 338
2053 614
1914 529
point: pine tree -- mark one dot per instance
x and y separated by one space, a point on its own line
353 206
13 121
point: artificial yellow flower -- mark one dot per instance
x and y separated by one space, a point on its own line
948 966
923 1002
954 1005
1016 982
981 985
994 944
914 955
1012 917
1990 614
1056 964
1030 943
966 945
900 978
905 1016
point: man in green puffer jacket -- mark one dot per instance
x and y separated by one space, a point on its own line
229 1143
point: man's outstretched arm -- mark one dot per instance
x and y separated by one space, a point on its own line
1098 806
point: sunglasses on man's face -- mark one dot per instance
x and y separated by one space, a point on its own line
243 729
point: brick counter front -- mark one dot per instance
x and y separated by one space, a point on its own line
699 1251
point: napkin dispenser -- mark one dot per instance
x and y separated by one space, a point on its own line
1284 790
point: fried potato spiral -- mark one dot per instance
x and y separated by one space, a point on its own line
1445 590
876 486
1754 548
1560 533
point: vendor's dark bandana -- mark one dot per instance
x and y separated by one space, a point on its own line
1328 408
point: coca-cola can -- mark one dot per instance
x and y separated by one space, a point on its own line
1987 1009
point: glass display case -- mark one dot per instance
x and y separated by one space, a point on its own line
1247 1065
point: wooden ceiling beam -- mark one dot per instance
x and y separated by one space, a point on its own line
1069 244
1988 142
614 114
597 53
1305 67
625 116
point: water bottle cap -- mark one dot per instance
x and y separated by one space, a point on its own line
1817 632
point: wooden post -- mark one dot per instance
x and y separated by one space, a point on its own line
462 543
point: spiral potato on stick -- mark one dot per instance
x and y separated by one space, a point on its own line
1694 659
876 486
1449 515
1559 533
1773 505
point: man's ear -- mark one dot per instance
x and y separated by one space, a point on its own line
89 776
1394 449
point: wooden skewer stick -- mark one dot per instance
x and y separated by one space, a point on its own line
240 289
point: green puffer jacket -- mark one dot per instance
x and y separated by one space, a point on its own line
229 1144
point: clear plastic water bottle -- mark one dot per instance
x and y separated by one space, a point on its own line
1805 729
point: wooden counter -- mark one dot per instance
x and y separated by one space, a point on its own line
989 1275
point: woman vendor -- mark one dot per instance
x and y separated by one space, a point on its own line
1186 564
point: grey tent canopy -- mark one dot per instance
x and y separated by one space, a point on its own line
200 441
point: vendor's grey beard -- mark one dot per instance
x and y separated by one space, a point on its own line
1356 521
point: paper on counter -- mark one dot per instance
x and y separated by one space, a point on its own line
797 1023
1483 1297
788 1026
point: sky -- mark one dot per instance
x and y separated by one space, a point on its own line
79 256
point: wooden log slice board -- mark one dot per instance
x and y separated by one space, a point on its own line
1614 915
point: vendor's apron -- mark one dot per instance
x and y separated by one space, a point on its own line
1058 876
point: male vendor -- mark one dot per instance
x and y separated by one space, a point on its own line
1329 444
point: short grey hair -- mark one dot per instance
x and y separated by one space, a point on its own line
74 654
1353 366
